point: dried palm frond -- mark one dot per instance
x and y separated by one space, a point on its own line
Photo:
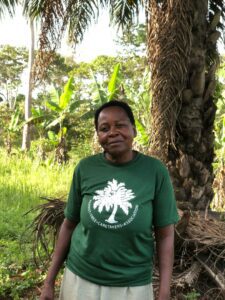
200 245
45 227
199 249
187 277
207 234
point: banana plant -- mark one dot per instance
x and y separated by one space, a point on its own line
113 90
12 128
59 107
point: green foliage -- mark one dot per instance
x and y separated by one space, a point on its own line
101 94
219 124
59 107
12 63
55 73
15 276
22 181
218 202
220 131
192 295
11 124
103 65
140 99
133 40
114 83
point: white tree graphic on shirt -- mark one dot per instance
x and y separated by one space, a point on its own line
114 195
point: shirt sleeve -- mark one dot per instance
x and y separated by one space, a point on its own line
72 210
164 205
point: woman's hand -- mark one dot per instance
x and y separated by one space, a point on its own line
47 292
60 253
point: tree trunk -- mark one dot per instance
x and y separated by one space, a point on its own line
111 218
28 98
183 81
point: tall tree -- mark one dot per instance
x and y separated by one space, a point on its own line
12 63
28 96
182 36
183 59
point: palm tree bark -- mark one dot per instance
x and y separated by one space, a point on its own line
183 106
28 99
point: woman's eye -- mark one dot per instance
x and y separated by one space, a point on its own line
103 129
120 125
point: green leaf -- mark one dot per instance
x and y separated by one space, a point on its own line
55 122
101 96
53 137
74 105
62 132
144 138
14 120
67 94
114 82
54 96
53 106
37 119
87 115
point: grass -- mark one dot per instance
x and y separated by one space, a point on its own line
23 181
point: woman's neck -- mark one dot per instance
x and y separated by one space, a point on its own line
120 159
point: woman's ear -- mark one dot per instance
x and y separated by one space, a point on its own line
135 131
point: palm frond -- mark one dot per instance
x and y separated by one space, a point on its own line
7 5
124 12
45 227
78 16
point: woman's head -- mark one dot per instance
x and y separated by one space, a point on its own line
115 103
115 126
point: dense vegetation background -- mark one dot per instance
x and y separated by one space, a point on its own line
62 132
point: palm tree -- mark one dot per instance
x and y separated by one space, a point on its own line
182 38
113 196
7 5
183 59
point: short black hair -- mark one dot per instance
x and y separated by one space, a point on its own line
116 103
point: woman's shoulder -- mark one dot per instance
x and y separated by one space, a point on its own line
90 159
154 165
152 160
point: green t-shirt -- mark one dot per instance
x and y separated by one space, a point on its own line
117 207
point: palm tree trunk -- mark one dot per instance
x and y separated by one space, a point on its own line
111 219
28 98
183 81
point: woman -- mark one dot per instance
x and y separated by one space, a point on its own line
117 199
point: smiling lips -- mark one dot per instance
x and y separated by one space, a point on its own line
114 143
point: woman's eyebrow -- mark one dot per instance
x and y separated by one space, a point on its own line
103 123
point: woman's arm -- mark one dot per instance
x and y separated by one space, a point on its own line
165 252
60 253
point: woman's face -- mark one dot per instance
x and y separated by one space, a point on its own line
116 134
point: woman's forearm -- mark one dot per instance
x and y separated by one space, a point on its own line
165 253
61 250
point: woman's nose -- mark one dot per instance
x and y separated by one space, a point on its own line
113 131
